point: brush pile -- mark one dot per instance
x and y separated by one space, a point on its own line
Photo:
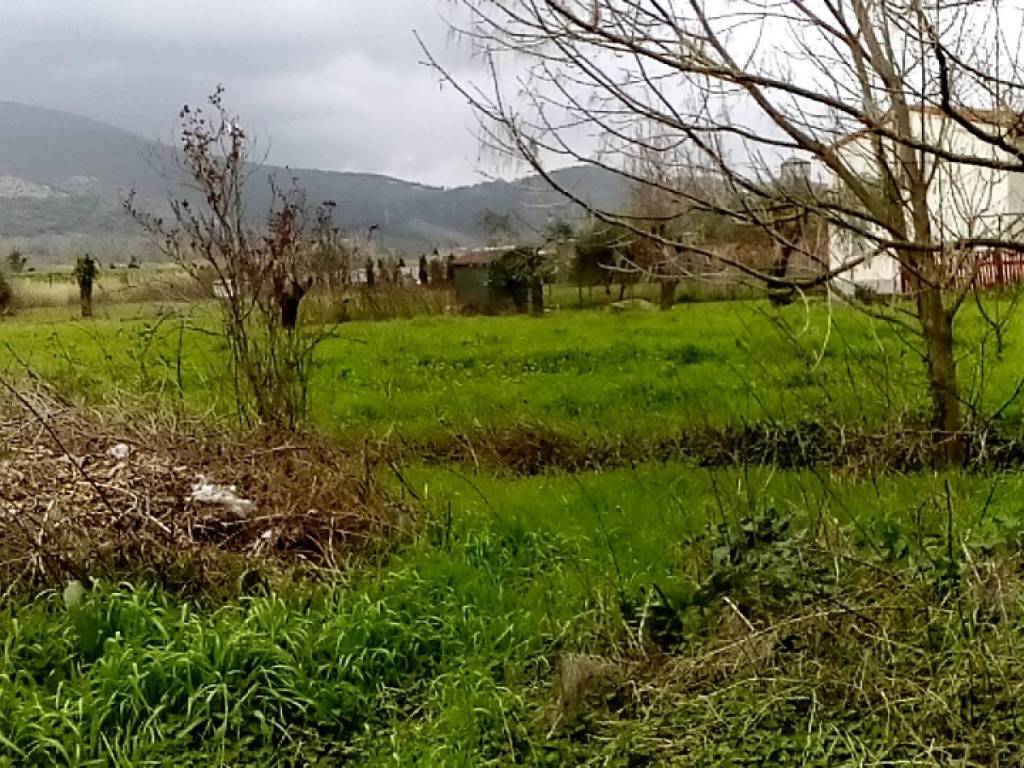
85 496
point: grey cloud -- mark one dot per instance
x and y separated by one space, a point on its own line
334 84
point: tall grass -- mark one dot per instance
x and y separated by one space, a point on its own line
54 290
33 293
656 614
382 302
583 374
560 622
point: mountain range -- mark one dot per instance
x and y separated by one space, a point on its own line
65 175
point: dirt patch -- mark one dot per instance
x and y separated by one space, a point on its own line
85 496
530 449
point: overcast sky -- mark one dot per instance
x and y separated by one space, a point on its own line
333 84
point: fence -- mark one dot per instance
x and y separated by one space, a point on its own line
994 269
999 269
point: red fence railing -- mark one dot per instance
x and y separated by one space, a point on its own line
998 269
994 269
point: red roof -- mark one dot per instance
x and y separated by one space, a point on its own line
481 258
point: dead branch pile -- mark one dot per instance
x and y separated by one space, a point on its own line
84 496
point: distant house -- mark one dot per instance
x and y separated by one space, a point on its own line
221 290
473 288
409 275
966 200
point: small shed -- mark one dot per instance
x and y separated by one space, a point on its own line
473 289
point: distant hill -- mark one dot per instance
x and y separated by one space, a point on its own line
65 175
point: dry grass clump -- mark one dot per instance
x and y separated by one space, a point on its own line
33 293
84 496
798 647
534 448
325 305
117 287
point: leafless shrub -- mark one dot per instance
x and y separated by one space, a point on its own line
258 277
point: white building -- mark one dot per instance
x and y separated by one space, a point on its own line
965 200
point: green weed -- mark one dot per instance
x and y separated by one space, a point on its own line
451 652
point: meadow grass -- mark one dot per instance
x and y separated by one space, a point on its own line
655 614
585 372
58 291
452 652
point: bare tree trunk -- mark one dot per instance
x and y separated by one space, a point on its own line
290 311
537 297
85 294
289 297
779 291
940 360
668 293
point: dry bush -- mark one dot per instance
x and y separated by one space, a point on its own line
85 496
257 272
161 286
382 302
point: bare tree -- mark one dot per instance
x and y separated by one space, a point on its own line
909 110
258 275
332 257
659 211
86 272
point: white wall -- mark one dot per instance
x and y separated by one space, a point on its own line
965 200
878 272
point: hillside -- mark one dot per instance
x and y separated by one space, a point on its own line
65 175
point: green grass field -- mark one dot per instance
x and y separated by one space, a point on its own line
585 373
446 654
449 653
651 614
